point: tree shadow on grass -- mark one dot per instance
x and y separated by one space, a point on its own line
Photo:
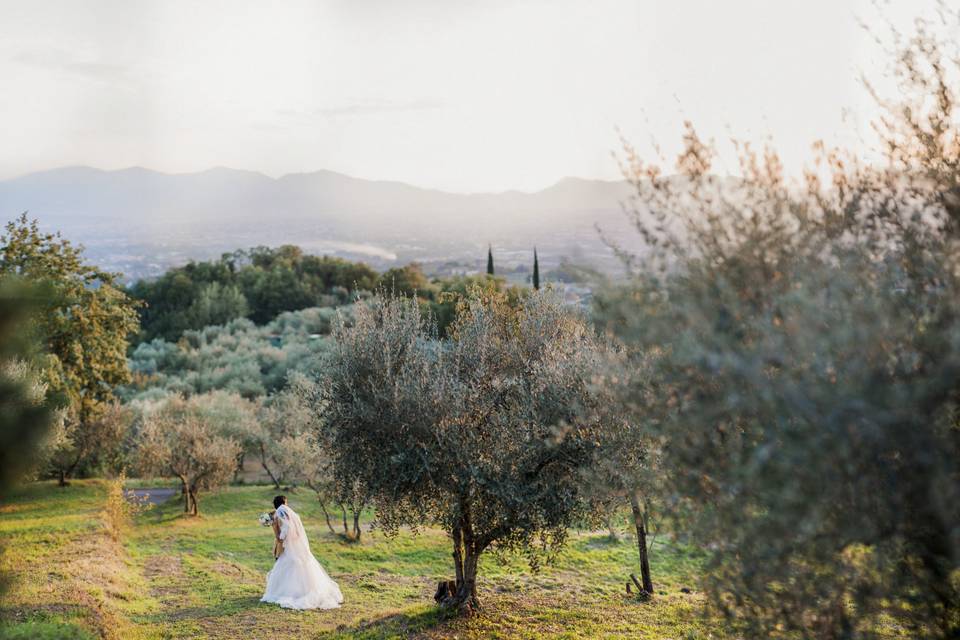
397 625
43 612
51 621
227 607
599 541
164 512
221 615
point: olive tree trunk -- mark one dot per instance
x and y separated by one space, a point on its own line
67 472
185 494
612 534
356 526
326 515
321 498
194 503
191 506
462 593
263 463
640 523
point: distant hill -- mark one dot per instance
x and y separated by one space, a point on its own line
138 220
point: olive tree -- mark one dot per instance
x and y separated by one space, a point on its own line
184 439
350 494
235 417
98 436
284 441
628 473
486 433
293 452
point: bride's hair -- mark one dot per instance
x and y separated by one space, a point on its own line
279 500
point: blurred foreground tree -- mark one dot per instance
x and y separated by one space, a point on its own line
805 352
27 414
26 411
82 327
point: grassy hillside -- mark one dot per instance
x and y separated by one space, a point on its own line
173 577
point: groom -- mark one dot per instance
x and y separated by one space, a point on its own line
277 542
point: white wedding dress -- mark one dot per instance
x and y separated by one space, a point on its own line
297 581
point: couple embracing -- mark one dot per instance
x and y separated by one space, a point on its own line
297 581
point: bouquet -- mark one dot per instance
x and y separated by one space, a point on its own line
266 519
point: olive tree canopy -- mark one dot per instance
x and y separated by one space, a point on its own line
487 433
194 440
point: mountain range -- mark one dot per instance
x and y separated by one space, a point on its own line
141 221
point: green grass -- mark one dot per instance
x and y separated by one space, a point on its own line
35 630
177 577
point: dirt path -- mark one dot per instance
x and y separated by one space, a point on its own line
166 579
152 496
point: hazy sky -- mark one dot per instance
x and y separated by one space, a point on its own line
451 94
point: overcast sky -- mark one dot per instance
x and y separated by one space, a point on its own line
465 96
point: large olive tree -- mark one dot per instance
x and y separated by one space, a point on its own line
487 433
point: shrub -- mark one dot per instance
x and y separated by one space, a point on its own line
120 507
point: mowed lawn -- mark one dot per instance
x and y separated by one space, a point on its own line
178 577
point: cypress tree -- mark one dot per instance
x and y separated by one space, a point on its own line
490 261
536 270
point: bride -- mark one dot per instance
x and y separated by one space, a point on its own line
297 581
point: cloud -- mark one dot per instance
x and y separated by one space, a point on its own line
67 63
366 108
